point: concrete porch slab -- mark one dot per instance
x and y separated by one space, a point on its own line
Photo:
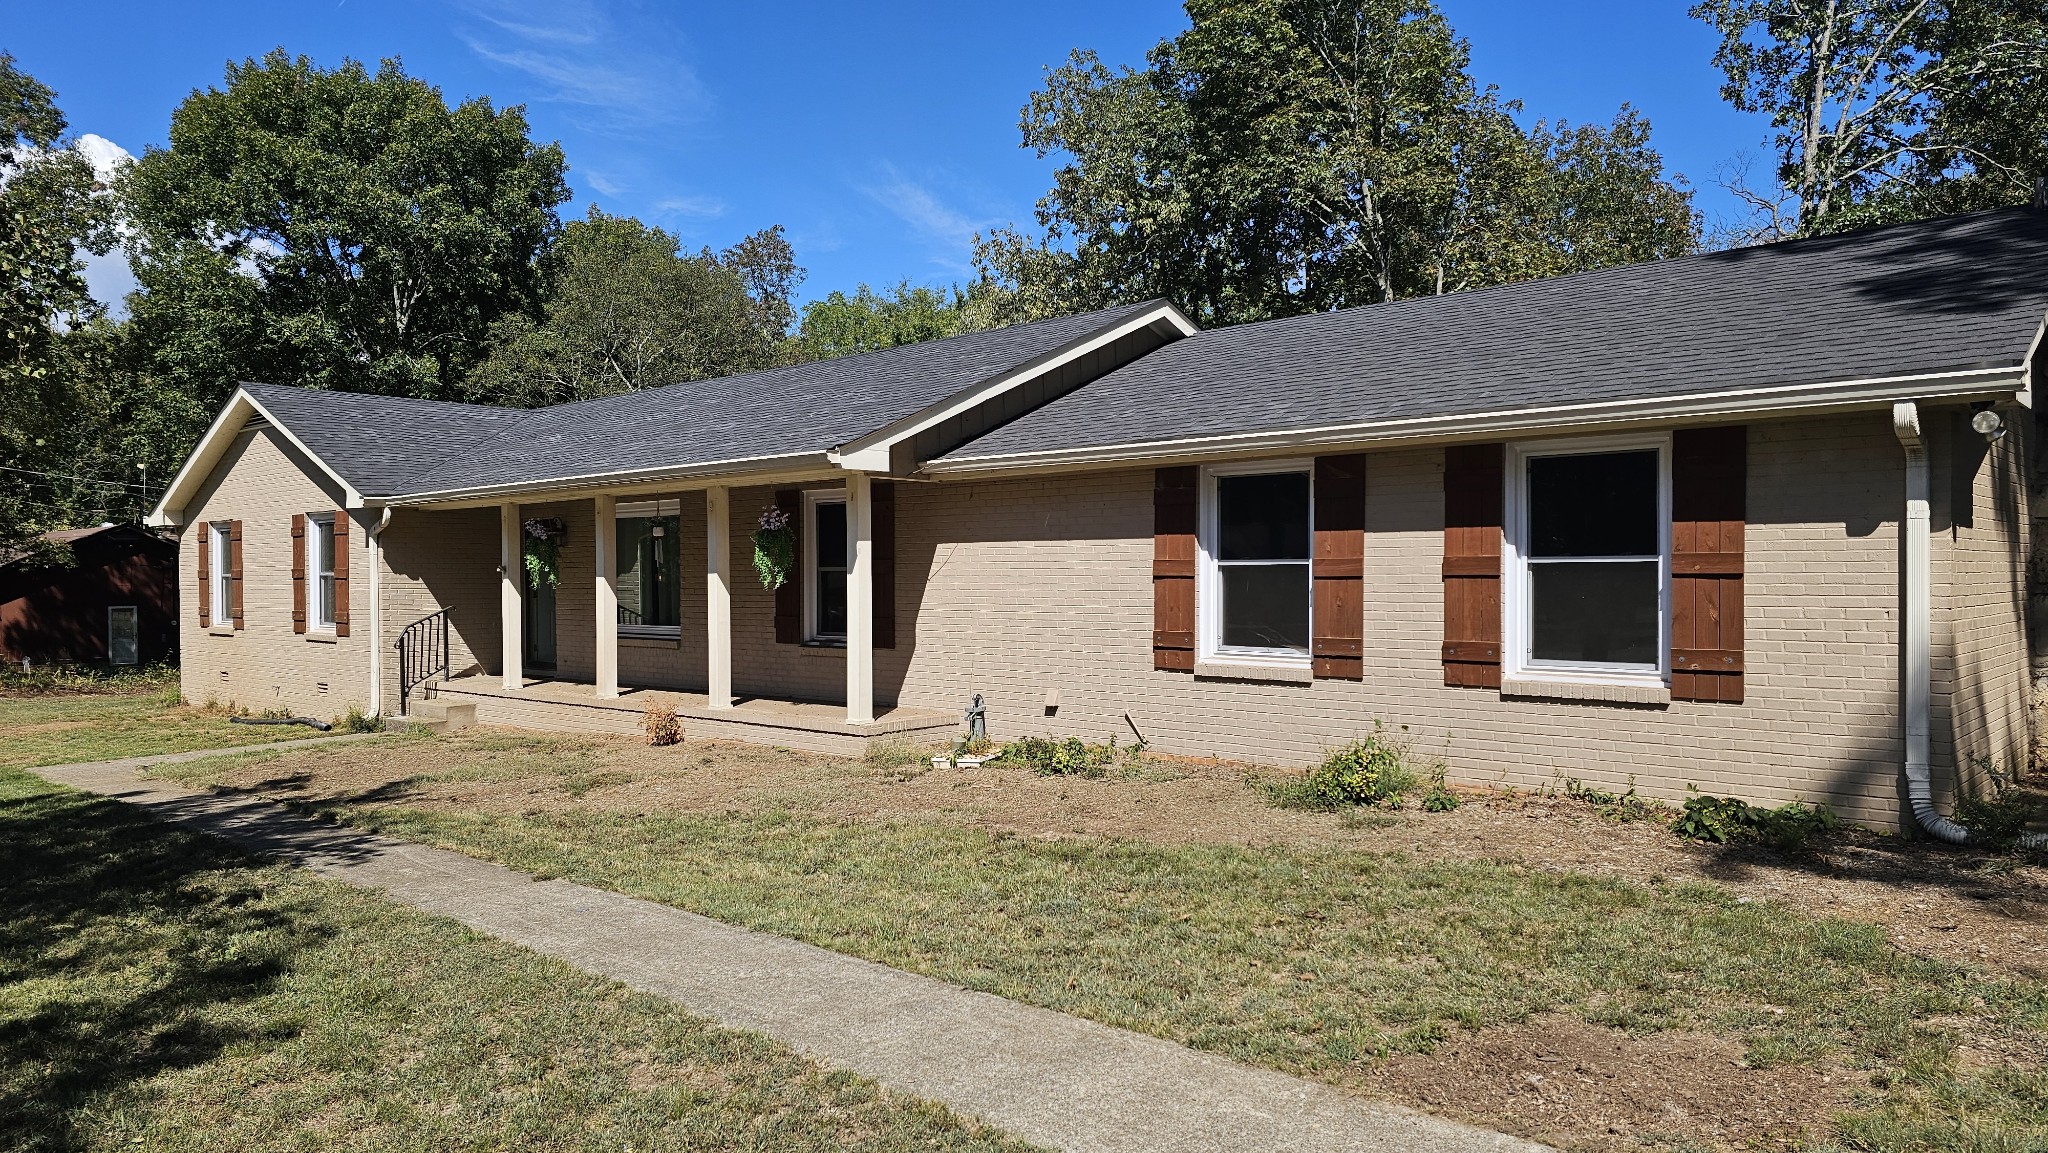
811 726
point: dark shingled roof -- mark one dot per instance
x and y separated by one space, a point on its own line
803 409
1959 292
380 443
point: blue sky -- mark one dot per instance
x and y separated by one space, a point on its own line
882 135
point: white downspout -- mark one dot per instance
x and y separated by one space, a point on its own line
376 535
1916 678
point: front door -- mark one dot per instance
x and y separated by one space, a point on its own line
540 625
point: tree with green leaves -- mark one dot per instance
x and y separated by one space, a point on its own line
1289 156
1886 109
869 321
336 228
627 310
51 209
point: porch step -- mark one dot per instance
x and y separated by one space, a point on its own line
441 716
557 706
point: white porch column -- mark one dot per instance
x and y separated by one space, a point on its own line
718 594
606 539
860 602
511 613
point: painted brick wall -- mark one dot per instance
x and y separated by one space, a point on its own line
1032 586
435 559
262 482
1982 681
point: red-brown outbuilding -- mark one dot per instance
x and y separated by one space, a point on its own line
115 604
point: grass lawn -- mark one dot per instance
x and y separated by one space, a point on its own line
59 730
159 990
1327 962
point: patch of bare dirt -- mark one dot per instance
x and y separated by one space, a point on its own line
1934 900
1579 1086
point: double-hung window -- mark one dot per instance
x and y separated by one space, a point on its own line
321 545
223 576
1589 559
1254 600
650 568
828 552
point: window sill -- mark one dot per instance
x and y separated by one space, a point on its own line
322 638
220 630
822 649
1653 694
1277 674
650 640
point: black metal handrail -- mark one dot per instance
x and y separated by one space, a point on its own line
422 655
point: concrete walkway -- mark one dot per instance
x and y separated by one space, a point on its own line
1047 1077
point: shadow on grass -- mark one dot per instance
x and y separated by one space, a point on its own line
126 950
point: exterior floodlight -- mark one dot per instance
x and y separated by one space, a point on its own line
1988 424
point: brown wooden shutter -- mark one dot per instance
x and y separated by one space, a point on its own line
1709 479
340 572
1338 568
789 599
235 571
882 506
205 575
1175 502
298 572
1473 504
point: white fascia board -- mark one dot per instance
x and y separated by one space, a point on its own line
234 415
2025 396
870 453
1882 392
763 469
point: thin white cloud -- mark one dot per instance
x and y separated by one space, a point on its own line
948 233
601 184
619 66
695 207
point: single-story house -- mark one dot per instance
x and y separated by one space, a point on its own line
1752 520
113 604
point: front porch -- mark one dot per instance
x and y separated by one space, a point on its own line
813 727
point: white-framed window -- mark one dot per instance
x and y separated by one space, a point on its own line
1253 601
828 559
650 566
223 577
320 549
124 635
1588 564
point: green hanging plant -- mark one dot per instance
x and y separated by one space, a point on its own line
543 552
774 548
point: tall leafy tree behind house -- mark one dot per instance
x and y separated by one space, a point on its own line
51 208
1288 156
866 320
627 310
336 228
1886 109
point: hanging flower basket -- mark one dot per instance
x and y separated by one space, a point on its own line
543 551
774 548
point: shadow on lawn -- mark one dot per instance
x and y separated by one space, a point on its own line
131 948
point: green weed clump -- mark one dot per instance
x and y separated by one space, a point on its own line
1371 772
1727 820
1623 807
1997 821
1438 797
355 720
1071 757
